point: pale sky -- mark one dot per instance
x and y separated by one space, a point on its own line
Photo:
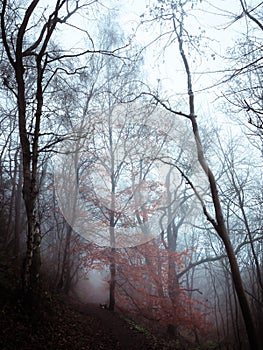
213 20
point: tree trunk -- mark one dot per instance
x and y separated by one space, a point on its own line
221 229
64 281
112 264
18 208
112 280
218 224
32 263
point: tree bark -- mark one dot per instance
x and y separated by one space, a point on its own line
112 279
64 281
219 223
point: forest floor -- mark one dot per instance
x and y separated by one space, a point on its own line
58 323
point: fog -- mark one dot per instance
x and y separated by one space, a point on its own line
94 289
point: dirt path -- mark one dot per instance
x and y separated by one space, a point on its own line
124 335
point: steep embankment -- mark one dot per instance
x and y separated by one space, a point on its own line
58 323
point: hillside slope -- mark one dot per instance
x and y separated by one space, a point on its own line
57 323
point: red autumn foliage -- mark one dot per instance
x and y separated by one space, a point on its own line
143 288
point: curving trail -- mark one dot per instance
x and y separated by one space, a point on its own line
122 335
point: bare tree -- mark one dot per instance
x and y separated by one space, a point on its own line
244 87
175 12
31 62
